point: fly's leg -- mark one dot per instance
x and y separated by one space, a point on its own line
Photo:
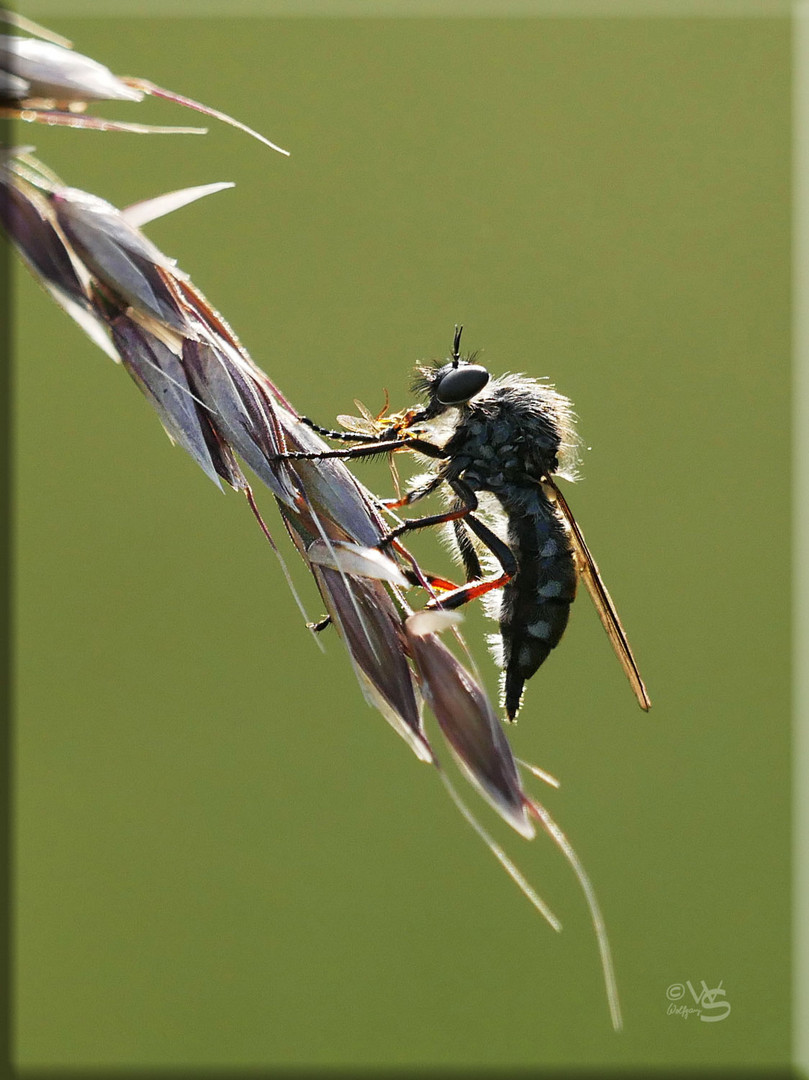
432 579
345 436
468 501
469 556
413 495
369 448
366 450
464 513
471 591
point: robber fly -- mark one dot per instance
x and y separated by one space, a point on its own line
496 445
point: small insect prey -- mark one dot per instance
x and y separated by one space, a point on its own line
496 445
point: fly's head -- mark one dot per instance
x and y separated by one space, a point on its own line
450 385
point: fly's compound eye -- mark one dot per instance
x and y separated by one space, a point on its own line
460 384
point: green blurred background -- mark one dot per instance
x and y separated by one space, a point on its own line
224 857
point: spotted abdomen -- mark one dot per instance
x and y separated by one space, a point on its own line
536 602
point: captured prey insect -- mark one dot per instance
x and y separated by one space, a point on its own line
497 445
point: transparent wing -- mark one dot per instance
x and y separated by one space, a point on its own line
366 423
359 425
601 598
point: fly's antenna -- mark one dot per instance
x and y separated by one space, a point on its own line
456 346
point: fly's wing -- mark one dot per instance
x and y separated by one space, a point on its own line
601 598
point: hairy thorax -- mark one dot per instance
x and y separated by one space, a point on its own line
505 446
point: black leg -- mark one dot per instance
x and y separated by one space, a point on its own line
469 556
368 449
468 502
499 548
504 555
345 436
414 495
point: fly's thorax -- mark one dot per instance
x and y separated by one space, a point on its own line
512 434
497 452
